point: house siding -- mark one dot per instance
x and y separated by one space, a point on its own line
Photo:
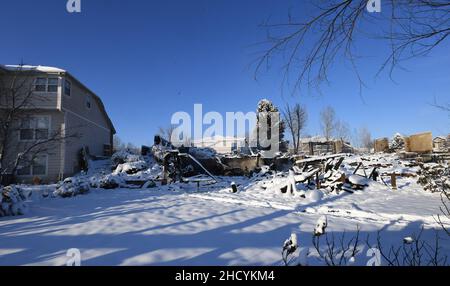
89 123
90 136
76 103
42 100
54 154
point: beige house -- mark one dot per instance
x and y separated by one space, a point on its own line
61 104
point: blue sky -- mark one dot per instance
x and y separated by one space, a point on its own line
148 59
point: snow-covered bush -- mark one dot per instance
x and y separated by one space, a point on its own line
289 248
13 201
109 182
72 187
321 225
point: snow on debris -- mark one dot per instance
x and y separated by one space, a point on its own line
210 224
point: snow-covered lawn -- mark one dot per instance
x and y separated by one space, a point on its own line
179 225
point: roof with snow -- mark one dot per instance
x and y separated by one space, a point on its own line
440 138
55 70
44 69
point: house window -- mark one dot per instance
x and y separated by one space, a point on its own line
107 151
88 102
43 84
67 87
36 166
35 128
52 85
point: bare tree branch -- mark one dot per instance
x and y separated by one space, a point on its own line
309 47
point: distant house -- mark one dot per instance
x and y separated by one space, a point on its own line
222 145
439 143
64 104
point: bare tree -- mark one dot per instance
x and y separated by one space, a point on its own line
328 122
17 102
295 118
365 138
132 148
166 132
118 143
309 47
445 209
337 252
187 142
414 251
442 106
343 131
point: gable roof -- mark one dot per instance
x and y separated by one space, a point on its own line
54 70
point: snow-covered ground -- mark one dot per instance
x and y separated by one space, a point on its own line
182 225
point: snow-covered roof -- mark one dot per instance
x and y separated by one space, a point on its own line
440 138
32 68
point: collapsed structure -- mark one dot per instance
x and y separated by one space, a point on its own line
317 146
187 161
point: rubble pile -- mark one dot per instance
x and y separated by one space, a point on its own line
131 167
434 177
123 157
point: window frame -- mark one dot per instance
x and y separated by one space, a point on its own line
36 84
31 167
67 82
49 118
47 79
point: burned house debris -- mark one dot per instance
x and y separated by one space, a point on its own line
317 146
189 161
327 173
421 147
